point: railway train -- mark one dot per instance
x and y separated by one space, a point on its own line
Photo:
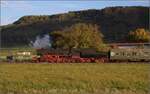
76 56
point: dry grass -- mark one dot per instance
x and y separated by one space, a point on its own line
80 78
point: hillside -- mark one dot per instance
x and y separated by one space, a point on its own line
114 23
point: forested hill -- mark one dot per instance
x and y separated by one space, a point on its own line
114 23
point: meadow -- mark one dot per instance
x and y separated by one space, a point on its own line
77 78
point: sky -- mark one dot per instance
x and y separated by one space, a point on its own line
12 10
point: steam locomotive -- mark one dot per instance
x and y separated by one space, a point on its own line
75 56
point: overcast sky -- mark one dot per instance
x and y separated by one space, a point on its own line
12 10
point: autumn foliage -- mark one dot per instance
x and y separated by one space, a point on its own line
139 35
78 36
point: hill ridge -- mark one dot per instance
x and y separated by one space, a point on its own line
114 23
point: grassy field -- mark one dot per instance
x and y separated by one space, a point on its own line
88 78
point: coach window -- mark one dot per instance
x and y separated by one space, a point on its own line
129 54
113 53
123 54
117 53
134 53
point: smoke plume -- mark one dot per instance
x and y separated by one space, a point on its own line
41 42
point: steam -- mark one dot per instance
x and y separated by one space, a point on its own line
41 42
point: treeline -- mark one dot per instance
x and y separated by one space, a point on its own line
115 23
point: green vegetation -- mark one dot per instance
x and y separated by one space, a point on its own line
18 53
114 23
74 78
78 36
13 51
139 35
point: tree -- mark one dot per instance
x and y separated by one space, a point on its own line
78 36
139 35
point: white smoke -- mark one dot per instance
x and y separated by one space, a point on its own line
41 42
